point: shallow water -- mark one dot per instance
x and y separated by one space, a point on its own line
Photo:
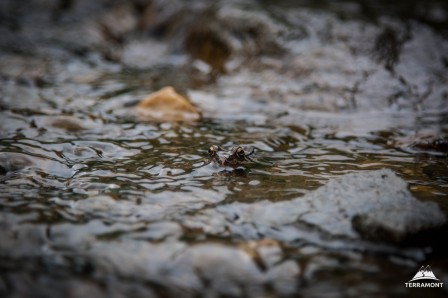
66 155
80 181
96 202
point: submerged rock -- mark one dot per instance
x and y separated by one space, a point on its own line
377 205
10 162
68 123
30 165
373 205
167 105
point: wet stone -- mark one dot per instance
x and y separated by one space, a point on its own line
215 266
374 205
16 162
24 240
167 105
68 123
385 203
10 162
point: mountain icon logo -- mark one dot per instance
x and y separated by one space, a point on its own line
424 273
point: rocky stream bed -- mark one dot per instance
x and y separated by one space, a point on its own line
345 104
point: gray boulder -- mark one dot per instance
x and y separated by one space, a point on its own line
374 205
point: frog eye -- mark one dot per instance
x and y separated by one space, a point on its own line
212 150
240 152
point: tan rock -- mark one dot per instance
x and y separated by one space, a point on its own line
167 105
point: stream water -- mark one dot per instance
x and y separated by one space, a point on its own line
95 202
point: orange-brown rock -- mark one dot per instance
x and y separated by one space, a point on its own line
167 105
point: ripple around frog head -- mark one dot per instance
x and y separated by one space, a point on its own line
208 169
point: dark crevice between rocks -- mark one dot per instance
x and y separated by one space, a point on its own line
434 238
388 45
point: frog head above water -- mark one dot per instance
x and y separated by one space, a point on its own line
236 157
